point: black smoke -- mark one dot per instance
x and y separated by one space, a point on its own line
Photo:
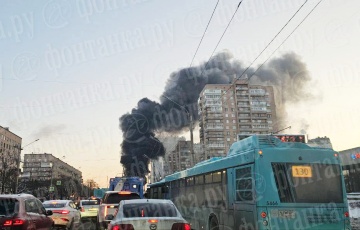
178 102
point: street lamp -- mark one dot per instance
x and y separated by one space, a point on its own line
190 127
18 164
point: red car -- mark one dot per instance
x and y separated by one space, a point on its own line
23 212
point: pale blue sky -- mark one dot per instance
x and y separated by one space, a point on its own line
70 69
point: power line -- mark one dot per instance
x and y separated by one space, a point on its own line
204 33
234 82
221 37
285 40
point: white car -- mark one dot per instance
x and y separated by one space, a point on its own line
65 213
145 214
354 209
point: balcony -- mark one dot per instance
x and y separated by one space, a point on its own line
214 128
215 146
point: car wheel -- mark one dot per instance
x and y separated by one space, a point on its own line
71 226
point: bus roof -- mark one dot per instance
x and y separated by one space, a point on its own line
242 151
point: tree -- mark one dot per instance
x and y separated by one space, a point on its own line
8 170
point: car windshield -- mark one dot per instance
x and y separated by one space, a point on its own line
115 198
8 206
149 210
89 202
54 205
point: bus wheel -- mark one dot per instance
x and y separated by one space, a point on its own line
214 224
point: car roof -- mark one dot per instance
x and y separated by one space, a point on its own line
57 201
22 195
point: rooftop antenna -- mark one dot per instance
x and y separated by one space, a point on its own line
289 127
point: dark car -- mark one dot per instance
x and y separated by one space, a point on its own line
23 212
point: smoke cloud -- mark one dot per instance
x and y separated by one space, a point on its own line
287 74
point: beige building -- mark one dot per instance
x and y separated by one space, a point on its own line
227 110
180 157
45 166
10 150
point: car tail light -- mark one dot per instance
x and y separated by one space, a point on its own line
15 222
181 226
61 211
346 214
123 227
82 209
18 222
8 223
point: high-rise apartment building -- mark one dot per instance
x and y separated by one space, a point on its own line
229 109
10 150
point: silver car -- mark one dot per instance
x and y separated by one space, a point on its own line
65 213
354 209
145 214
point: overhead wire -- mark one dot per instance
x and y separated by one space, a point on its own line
204 33
234 82
284 40
237 8
275 49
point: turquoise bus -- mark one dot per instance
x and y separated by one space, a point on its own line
262 183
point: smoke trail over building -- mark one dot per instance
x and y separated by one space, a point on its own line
179 100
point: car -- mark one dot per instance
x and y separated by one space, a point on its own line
89 209
145 214
110 203
23 211
65 213
354 209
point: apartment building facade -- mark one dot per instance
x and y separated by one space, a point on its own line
180 158
45 175
226 110
45 166
10 150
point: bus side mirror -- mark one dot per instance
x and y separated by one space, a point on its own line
165 189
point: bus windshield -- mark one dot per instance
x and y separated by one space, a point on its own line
308 183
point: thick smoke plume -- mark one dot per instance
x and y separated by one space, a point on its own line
287 74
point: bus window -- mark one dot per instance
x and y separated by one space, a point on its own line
300 183
244 184
182 183
190 181
224 180
175 184
208 178
199 179
216 177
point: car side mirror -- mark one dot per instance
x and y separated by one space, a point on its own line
49 212
109 217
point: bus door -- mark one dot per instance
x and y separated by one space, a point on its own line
244 203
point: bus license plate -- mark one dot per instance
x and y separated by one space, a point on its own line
301 171
286 213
